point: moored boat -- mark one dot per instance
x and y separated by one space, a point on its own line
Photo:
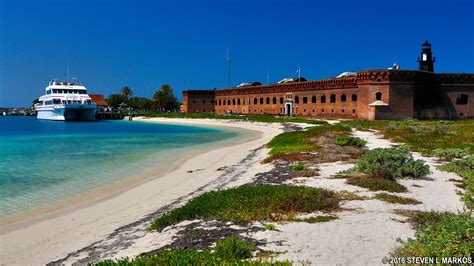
65 101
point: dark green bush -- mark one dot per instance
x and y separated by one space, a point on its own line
232 248
350 141
392 163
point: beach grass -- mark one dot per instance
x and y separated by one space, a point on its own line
396 199
377 184
251 118
440 234
292 145
315 219
228 251
252 203
426 137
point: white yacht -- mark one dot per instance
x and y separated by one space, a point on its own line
65 101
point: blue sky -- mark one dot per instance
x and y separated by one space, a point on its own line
144 44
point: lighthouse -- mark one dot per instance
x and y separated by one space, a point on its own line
426 60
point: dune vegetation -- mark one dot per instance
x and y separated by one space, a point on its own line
252 203
228 251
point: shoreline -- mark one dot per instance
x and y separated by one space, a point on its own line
54 236
88 198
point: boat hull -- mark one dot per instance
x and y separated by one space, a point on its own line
68 113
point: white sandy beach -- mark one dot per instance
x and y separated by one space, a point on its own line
364 233
52 237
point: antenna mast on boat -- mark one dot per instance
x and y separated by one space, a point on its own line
67 70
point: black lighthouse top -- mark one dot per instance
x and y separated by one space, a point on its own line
426 60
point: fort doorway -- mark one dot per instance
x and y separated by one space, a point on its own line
289 108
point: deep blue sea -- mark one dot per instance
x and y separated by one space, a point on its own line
44 162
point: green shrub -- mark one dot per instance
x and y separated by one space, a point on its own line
350 141
392 163
252 203
450 154
395 199
465 169
270 227
232 248
185 257
441 235
297 167
377 184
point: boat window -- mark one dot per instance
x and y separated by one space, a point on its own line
56 101
48 92
48 102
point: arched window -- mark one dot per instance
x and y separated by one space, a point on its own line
305 100
228 102
333 98
281 100
297 99
274 100
238 101
343 98
354 97
268 100
219 102
323 99
313 99
255 100
233 101
261 100
378 96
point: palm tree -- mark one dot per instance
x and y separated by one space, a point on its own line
127 92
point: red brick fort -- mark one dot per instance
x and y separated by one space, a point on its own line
366 94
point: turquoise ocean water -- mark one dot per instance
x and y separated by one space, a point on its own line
44 162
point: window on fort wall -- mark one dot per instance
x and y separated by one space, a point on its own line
268 100
281 100
313 99
219 102
228 102
305 100
354 97
261 100
323 99
238 101
332 98
233 101
462 99
378 96
255 101
274 100
297 99
343 98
